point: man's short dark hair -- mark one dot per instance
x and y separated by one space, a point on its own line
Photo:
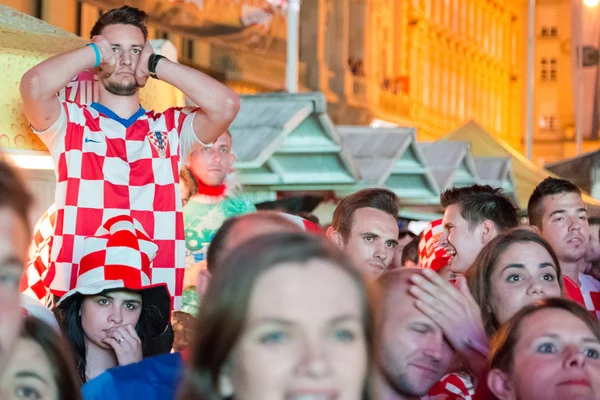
410 252
482 202
126 16
380 199
548 187
404 234
594 220
14 193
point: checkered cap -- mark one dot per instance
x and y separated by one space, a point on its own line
431 255
118 256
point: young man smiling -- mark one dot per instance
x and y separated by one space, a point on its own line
113 157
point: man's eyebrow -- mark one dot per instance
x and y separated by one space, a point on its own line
135 45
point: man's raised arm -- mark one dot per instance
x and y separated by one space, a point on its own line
41 83
218 104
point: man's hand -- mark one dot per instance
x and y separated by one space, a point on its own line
126 343
109 60
141 72
453 309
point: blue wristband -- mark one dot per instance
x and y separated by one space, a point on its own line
97 52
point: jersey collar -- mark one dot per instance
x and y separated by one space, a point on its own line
112 115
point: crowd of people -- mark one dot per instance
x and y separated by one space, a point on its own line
152 277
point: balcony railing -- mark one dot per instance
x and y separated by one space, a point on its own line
357 90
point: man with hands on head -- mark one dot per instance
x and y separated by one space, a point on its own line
114 157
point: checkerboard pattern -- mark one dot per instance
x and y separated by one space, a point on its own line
430 254
33 282
453 387
107 167
120 250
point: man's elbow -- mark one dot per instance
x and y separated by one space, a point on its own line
231 106
30 84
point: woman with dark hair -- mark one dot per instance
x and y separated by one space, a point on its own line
513 270
114 316
40 366
547 351
286 316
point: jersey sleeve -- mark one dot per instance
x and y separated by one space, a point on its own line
54 136
185 128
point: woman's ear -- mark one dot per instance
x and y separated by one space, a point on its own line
500 385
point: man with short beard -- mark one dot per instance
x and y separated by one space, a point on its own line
114 157
413 354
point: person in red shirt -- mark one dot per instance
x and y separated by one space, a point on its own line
557 212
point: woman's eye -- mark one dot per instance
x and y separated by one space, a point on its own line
115 49
272 337
513 278
136 51
546 348
592 353
130 306
27 393
344 335
103 302
549 277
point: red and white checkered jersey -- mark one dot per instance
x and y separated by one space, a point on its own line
33 281
108 166
452 387
430 254
587 295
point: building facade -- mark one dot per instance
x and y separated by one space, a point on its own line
429 64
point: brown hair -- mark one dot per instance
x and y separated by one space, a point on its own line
482 202
223 312
479 275
380 199
59 357
186 176
504 342
14 193
410 252
548 187
125 15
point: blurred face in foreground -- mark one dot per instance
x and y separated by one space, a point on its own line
13 249
304 337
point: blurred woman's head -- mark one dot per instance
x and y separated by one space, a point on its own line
40 367
285 316
547 351
513 270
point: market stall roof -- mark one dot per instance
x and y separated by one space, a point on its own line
391 158
288 142
497 172
451 163
581 170
375 150
527 175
